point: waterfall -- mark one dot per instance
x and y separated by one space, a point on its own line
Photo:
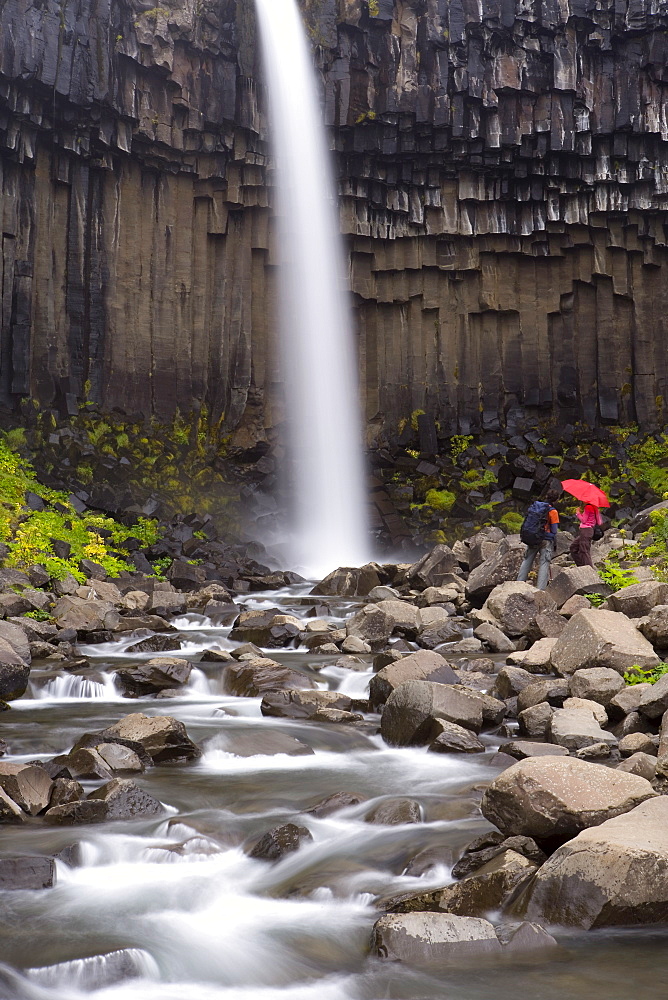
328 514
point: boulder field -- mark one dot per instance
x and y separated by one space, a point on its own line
463 660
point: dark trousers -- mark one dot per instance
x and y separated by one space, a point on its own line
581 547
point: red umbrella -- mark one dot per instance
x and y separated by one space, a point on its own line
586 492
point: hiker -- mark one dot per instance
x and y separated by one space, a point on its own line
590 528
539 533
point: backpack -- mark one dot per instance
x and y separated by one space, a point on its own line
599 531
532 531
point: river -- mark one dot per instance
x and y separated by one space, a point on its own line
171 908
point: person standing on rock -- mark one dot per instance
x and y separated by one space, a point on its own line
590 518
539 533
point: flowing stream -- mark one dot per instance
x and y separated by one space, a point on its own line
318 358
172 908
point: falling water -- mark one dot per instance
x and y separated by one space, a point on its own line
328 518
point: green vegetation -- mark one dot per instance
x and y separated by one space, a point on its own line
440 499
458 444
614 575
374 8
30 534
511 521
636 675
38 616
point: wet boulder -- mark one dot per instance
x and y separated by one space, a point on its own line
423 665
153 676
405 617
155 644
27 785
27 872
598 638
372 625
411 710
280 841
515 606
495 640
10 812
610 875
65 790
269 628
454 739
166 603
333 803
639 599
486 889
394 812
259 742
123 799
14 676
523 749
556 797
349 581
422 938
164 738
254 678
296 704
120 759
85 615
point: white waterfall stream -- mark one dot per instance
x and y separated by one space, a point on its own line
325 436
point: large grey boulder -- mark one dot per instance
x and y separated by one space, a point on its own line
642 764
16 637
654 700
164 673
454 739
423 665
553 690
503 566
510 681
255 677
279 841
575 728
537 659
85 615
433 569
410 711
123 799
598 638
27 785
626 701
655 627
580 580
373 625
639 599
394 812
349 581
423 939
298 704
494 638
599 684
14 675
164 738
515 605
267 628
611 875
556 797
535 721
405 617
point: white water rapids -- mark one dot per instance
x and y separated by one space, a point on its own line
172 908
329 526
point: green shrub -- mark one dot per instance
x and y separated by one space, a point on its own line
512 522
638 675
38 616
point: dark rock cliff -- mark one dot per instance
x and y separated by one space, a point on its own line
503 172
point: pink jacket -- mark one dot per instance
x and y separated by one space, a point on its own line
590 516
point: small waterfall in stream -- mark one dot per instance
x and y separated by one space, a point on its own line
328 518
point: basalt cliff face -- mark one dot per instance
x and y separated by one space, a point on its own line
503 172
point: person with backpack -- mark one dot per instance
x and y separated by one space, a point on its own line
591 529
539 534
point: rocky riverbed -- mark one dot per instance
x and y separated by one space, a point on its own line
400 777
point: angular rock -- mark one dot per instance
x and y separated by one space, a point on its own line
120 759
599 684
409 713
260 742
163 737
154 675
547 625
16 637
349 582
27 785
583 704
556 797
65 790
575 728
580 580
155 644
268 628
510 681
279 841
394 812
434 568
627 700
654 701
524 937
501 567
85 763
295 704
535 721
254 678
423 939
10 812
595 751
639 599
422 665
637 743
75 813
85 615
333 803
14 676
405 617
609 876
123 799
27 873
486 889
555 691
655 628
642 764
454 739
522 749
494 638
372 624
515 606
598 638
575 604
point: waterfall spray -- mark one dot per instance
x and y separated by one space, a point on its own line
325 438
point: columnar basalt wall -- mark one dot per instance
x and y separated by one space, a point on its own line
503 175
